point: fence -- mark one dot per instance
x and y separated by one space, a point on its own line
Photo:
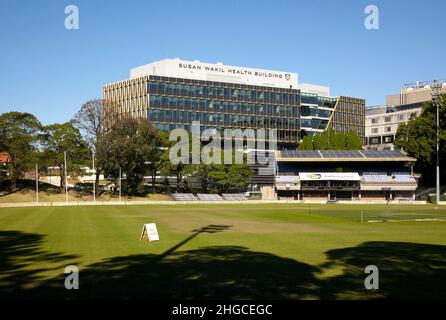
128 203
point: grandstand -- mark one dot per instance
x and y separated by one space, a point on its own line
403 177
208 197
183 197
234 196
376 177
344 175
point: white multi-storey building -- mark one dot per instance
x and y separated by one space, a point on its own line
382 122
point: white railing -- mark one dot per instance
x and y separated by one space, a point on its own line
148 202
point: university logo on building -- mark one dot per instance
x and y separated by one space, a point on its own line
287 76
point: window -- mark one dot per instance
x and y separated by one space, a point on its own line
375 120
211 105
374 140
401 117
374 130
226 93
387 119
388 129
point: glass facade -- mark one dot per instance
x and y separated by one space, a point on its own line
171 103
314 99
349 116
316 112
176 102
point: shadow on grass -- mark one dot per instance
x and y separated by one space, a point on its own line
18 252
407 270
24 186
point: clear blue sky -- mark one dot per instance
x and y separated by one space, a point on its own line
50 71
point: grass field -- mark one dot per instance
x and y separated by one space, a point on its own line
224 251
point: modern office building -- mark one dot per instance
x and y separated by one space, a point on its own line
172 93
382 122
413 93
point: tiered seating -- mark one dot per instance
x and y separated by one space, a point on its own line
208 197
403 177
376 178
234 196
184 197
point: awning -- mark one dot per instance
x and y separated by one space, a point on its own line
332 176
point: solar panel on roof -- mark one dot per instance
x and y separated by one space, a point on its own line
300 154
341 154
383 154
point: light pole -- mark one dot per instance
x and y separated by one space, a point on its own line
37 184
94 181
119 184
66 179
436 91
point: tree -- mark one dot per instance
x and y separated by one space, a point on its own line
320 141
353 141
418 139
19 136
337 140
307 143
90 120
331 140
228 177
60 138
224 177
161 151
130 144
167 168
201 172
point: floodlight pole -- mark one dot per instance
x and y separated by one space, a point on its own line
66 179
436 90
94 181
438 153
37 184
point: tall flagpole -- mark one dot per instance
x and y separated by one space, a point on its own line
66 180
